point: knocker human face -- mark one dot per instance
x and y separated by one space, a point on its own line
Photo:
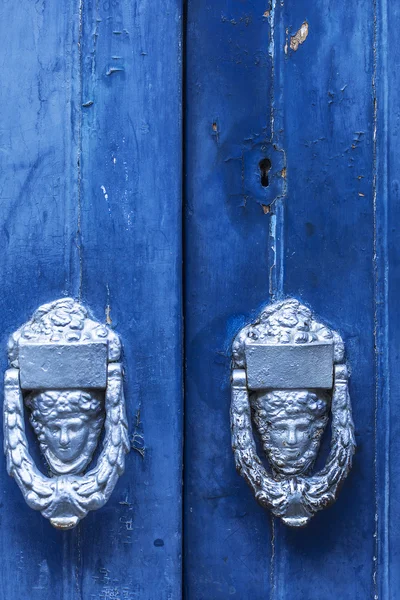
66 437
290 425
68 425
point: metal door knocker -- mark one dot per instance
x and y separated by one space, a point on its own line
65 368
288 373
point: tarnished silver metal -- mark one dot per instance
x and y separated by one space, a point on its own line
288 374
65 368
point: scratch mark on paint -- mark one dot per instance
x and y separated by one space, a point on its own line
137 439
106 198
286 47
272 235
272 560
126 502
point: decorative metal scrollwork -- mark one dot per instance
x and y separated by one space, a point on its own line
65 367
288 370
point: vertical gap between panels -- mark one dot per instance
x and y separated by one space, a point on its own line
184 10
381 316
276 226
79 152
71 557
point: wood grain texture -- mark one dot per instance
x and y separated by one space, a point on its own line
91 206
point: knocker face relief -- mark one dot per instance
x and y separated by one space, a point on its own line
65 370
290 425
288 378
68 425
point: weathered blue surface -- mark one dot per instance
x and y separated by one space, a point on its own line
90 206
316 105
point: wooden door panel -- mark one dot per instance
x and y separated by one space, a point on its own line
91 207
328 241
293 83
387 261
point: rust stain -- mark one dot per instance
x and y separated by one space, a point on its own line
299 37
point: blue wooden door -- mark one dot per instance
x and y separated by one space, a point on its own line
313 88
289 172
91 207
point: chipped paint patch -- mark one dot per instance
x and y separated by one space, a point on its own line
108 307
299 37
112 70
102 187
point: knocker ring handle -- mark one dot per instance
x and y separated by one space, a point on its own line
288 369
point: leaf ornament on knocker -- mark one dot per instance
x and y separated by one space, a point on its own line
288 376
65 370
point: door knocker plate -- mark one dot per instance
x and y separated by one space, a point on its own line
288 374
65 369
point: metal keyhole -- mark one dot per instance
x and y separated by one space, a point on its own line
265 167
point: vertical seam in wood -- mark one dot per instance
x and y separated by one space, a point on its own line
78 241
276 225
375 272
72 553
183 33
275 243
273 251
381 320
272 560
